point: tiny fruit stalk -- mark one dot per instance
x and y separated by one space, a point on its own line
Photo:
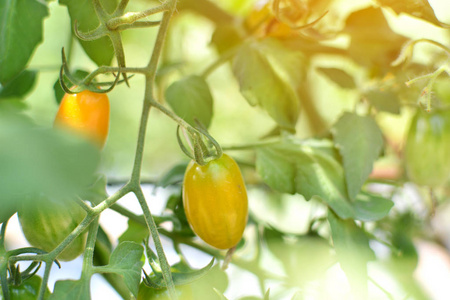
215 201
85 113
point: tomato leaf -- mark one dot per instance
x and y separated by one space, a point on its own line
338 76
21 31
135 232
191 99
353 252
96 191
305 170
384 100
126 261
71 290
415 8
370 207
100 51
359 141
19 86
36 161
261 85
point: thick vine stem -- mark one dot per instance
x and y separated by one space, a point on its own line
89 251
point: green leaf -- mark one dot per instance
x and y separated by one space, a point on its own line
71 290
180 278
384 100
59 92
191 99
19 86
415 8
126 260
261 85
353 252
41 161
96 191
359 141
370 207
100 51
21 31
338 76
135 232
174 176
305 170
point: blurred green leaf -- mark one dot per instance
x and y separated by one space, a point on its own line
21 31
100 51
302 169
59 93
384 100
36 161
71 290
174 176
415 8
338 76
96 191
353 252
305 258
135 232
261 85
191 99
216 278
370 207
126 261
19 86
359 140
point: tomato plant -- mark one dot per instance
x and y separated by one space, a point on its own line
337 115
85 113
215 201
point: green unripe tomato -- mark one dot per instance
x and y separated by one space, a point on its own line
427 149
46 223
27 290
146 293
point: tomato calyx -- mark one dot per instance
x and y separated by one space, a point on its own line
204 148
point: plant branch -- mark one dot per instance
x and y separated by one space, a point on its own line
131 17
150 222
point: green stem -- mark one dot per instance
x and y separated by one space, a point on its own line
131 17
389 295
4 282
251 146
165 267
221 60
2 236
43 288
89 251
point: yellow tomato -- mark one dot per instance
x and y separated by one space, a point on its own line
215 201
86 113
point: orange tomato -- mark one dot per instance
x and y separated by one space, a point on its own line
85 113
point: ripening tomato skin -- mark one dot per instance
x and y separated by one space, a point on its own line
427 149
86 113
215 201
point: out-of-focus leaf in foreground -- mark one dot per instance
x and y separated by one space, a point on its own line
36 160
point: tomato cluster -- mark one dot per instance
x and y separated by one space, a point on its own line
215 201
